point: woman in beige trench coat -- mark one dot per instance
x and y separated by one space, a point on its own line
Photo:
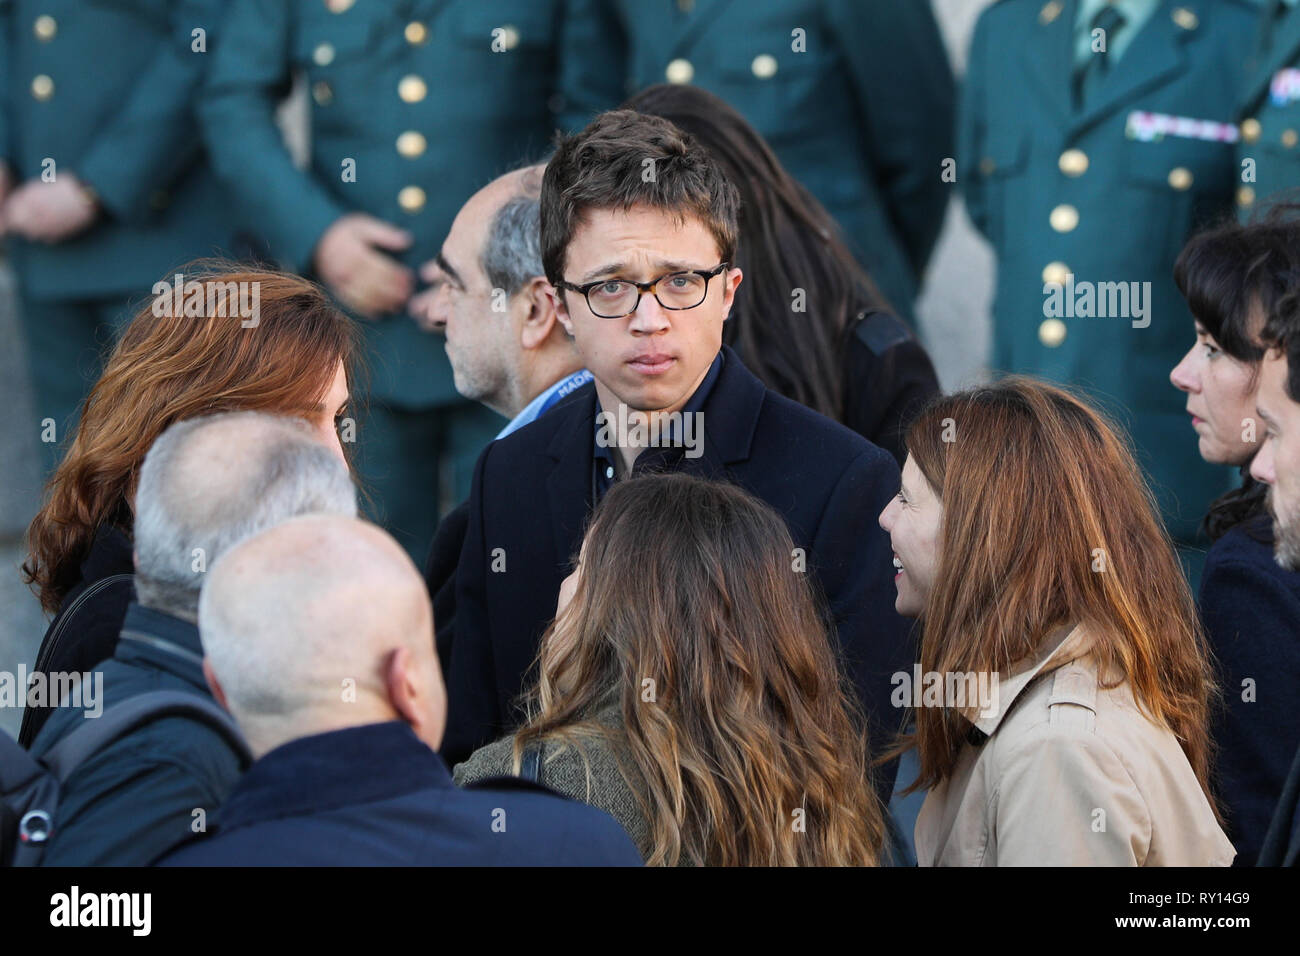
1063 684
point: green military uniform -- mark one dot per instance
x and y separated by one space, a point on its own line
1270 111
856 98
106 91
431 99
1105 188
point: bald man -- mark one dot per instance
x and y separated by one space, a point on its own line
319 640
205 484
488 295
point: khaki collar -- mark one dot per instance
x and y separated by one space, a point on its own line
1062 646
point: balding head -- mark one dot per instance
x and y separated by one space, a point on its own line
318 624
209 482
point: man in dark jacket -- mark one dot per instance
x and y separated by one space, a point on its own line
637 234
153 787
319 639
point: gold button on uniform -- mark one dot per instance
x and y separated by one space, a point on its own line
1050 12
1055 273
686 6
1185 18
987 166
321 93
679 71
1289 138
1250 130
1051 333
411 144
1245 196
412 89
1180 177
45 27
42 87
339 6
1073 162
416 33
1064 218
411 199
323 55
764 66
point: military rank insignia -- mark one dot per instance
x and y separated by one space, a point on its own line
1285 87
1153 127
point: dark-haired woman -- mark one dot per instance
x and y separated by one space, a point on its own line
297 359
688 687
807 320
1232 276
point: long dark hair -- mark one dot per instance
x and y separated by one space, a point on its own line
735 714
788 241
1229 274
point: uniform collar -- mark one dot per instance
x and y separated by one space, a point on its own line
1062 646
340 768
156 639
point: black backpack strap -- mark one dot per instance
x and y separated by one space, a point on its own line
530 762
120 719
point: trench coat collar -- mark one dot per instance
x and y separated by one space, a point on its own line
1062 646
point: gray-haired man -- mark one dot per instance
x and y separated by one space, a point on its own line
205 485
508 350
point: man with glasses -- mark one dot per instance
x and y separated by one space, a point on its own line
638 230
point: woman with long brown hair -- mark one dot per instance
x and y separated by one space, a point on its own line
1028 545
688 687
231 340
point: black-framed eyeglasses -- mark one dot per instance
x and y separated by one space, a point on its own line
619 298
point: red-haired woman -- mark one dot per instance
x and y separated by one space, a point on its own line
1028 545
251 340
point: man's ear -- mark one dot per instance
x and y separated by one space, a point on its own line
403 694
214 685
538 298
561 310
734 278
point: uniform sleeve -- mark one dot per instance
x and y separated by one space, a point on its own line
593 58
970 135
473 715
151 141
1063 798
249 74
906 99
854 567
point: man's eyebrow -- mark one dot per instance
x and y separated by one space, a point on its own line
445 266
661 267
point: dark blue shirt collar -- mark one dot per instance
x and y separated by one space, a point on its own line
336 769
156 639
693 404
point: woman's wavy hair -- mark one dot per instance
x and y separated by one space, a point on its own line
689 619
1047 522
1233 277
787 240
166 368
